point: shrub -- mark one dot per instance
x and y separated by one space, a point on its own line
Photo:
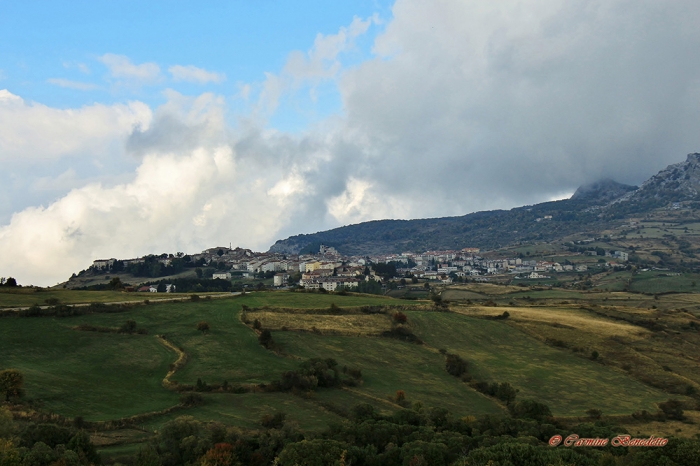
265 339
203 327
402 333
672 409
530 409
506 392
400 397
399 317
191 399
455 365
273 421
128 327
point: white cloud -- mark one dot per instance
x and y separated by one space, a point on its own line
467 106
496 104
195 75
32 131
121 67
81 86
183 197
82 67
321 62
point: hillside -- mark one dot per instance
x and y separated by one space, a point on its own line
595 208
344 360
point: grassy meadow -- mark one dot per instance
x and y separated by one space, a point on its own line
28 296
107 376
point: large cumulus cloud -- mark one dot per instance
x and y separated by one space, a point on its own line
495 104
464 106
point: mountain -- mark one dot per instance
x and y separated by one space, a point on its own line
593 208
677 183
604 191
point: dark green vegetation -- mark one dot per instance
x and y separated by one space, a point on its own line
140 369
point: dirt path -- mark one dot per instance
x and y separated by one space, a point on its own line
181 361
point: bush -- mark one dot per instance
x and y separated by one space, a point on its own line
128 327
455 365
672 409
530 409
399 317
203 327
273 421
402 333
191 399
265 339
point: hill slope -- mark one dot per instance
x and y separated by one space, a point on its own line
592 209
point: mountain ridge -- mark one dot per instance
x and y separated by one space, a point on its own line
592 208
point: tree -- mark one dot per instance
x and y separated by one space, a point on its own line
10 282
199 272
116 283
265 338
203 327
673 409
11 381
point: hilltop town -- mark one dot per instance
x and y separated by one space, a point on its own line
331 271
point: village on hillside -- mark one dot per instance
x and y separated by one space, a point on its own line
331 271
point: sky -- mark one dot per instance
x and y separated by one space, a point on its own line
129 128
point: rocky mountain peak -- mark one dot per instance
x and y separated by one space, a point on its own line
603 191
675 183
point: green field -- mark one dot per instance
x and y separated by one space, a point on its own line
499 353
24 297
95 375
664 282
389 365
103 376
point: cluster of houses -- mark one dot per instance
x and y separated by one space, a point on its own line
330 270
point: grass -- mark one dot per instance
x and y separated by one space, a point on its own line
247 409
24 297
106 376
663 282
568 384
98 376
388 365
355 324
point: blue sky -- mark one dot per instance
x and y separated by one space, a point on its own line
242 40
129 128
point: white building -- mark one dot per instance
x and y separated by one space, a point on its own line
280 279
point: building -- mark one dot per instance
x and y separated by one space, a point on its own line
280 279
222 275
103 263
